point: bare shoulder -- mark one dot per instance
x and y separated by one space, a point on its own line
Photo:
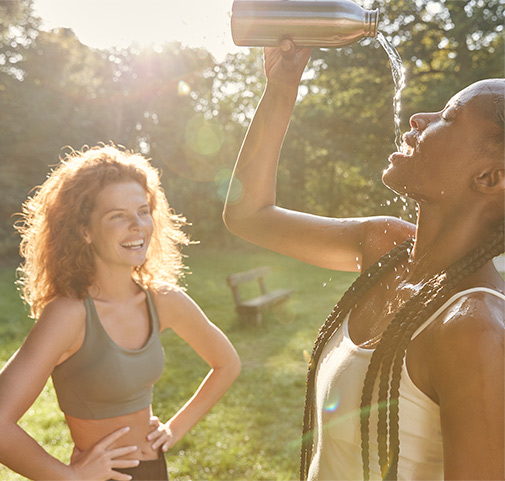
173 305
469 341
384 233
467 373
62 324
64 314
64 307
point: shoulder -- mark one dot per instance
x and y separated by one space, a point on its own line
57 333
383 233
63 321
64 313
173 305
468 340
467 373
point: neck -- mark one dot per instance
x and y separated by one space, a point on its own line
443 239
113 283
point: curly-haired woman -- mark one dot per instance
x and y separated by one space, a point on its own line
406 379
102 260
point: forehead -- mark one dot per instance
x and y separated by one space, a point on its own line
120 195
480 97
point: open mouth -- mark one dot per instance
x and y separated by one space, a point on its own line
134 245
406 149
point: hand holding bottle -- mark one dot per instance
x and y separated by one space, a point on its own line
284 65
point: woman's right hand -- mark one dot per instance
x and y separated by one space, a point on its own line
285 64
98 462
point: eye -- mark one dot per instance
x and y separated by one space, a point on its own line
145 211
119 215
448 114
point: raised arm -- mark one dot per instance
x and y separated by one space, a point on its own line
340 244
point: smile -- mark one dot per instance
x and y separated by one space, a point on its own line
134 245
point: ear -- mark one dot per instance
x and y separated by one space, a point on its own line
85 236
490 181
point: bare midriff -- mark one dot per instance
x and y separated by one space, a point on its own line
87 432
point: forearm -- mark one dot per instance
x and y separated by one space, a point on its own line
212 388
22 454
256 167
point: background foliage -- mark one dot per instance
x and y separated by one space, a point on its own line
189 113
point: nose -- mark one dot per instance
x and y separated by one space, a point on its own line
135 222
417 122
421 120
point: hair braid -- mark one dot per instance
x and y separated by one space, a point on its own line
361 285
397 337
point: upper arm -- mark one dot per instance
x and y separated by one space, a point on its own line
468 375
345 244
180 313
26 373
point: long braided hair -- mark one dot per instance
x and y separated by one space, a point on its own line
387 359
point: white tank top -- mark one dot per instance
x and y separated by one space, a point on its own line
339 382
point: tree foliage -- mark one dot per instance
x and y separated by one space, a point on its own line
189 113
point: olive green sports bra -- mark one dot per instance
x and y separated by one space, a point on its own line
103 379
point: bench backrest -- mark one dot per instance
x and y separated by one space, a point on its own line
258 273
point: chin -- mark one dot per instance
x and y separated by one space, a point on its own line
391 182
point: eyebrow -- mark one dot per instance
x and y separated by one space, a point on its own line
122 209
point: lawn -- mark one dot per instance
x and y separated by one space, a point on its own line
254 431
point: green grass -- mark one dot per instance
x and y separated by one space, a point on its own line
253 433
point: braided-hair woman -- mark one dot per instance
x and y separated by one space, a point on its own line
413 354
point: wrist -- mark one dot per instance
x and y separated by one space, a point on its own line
282 90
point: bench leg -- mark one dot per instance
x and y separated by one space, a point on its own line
257 318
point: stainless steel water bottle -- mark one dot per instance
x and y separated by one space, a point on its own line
308 23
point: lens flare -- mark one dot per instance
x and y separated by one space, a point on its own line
204 136
331 405
234 190
183 88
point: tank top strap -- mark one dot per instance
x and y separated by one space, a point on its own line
91 313
153 312
453 299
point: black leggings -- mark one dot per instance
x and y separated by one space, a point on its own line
155 470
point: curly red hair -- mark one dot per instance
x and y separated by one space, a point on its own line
57 260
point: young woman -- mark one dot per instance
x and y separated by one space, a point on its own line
100 273
406 379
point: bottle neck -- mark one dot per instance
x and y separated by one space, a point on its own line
371 18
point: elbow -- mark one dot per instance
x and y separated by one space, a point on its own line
235 367
226 219
231 222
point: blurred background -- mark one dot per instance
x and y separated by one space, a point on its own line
164 78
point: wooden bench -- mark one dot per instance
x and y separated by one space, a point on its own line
252 308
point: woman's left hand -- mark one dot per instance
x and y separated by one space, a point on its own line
161 435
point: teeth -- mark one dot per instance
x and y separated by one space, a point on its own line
137 243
